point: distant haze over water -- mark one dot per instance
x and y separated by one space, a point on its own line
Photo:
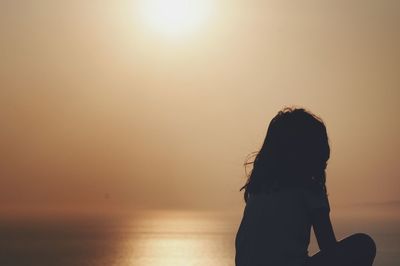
161 238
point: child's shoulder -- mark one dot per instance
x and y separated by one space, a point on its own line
311 198
284 193
311 195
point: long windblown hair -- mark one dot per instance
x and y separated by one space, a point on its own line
294 153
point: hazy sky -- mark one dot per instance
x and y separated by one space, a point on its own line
98 109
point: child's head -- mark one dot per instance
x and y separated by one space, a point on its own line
295 152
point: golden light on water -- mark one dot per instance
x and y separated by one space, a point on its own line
180 238
175 17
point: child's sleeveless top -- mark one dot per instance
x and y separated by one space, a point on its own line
275 228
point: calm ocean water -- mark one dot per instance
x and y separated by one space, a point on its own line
155 238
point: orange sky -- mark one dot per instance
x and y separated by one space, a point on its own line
96 109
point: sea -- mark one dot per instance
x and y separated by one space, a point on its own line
158 238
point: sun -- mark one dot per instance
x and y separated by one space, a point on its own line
175 17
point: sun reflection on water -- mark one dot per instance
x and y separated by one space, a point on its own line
177 238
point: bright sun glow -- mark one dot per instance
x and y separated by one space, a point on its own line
175 17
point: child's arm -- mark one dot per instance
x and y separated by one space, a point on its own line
323 228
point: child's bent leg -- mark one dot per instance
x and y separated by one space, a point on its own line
355 250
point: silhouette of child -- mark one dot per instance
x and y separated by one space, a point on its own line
285 196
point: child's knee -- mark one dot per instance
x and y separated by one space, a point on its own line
365 243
